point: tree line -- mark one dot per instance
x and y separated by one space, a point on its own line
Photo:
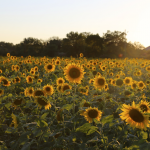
110 45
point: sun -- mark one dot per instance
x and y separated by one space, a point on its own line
133 116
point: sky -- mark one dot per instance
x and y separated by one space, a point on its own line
44 19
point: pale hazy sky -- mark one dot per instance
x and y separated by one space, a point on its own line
43 19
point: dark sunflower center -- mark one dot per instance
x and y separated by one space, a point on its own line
119 82
127 81
0 91
86 105
136 115
39 93
66 87
60 81
47 88
101 81
74 73
41 101
143 107
127 92
141 85
94 72
17 101
49 66
134 85
5 81
17 79
30 79
92 113
30 91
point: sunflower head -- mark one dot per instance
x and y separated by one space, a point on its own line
133 116
91 113
42 101
74 73
64 87
144 106
60 81
99 82
48 89
39 92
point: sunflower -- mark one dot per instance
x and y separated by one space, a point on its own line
64 87
81 54
99 82
74 73
119 82
49 67
30 91
141 85
5 81
84 104
133 116
60 81
57 62
1 92
106 87
127 81
139 73
29 79
8 54
147 82
18 101
16 68
32 71
148 68
134 85
48 89
42 101
144 106
59 88
127 93
15 121
36 69
39 80
1 71
39 92
91 113
17 79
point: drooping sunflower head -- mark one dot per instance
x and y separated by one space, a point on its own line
42 101
119 82
134 85
64 87
39 92
48 89
99 82
18 101
91 113
133 116
18 79
74 73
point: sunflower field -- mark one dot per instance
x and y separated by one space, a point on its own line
74 103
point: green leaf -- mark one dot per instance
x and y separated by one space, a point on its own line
42 123
37 132
8 105
107 119
44 115
11 130
67 106
87 128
